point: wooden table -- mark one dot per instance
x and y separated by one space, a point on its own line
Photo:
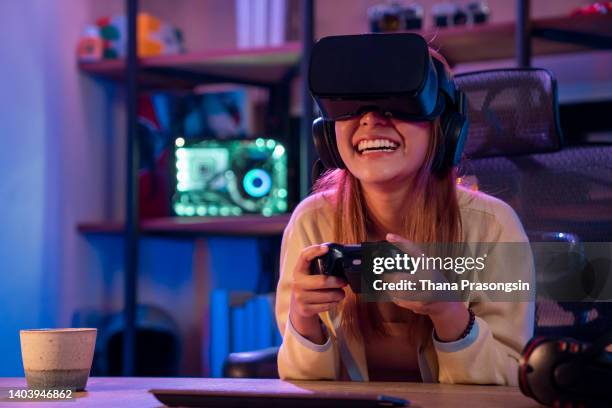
133 392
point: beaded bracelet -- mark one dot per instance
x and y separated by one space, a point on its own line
468 328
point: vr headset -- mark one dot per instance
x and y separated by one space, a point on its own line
393 74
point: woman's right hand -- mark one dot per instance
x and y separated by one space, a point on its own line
312 294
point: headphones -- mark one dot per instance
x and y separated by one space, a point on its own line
567 372
453 120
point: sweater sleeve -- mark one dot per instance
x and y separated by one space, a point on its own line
299 358
490 354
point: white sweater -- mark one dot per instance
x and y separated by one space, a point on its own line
488 355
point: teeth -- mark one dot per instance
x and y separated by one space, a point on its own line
377 151
379 144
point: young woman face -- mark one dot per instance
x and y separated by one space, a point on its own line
378 149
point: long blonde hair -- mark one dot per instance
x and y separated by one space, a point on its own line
434 217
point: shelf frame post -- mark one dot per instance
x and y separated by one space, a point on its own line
307 153
523 34
131 204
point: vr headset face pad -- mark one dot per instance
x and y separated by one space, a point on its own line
394 73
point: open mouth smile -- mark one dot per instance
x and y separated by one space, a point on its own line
376 146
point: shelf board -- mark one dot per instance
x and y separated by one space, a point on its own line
257 66
270 65
248 225
496 41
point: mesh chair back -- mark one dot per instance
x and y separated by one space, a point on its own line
511 111
514 152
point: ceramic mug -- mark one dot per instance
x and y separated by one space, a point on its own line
57 358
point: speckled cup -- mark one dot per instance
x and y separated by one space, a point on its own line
57 358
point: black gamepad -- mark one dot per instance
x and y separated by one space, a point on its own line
345 261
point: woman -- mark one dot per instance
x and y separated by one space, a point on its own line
387 192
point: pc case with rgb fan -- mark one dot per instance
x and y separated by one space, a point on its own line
230 177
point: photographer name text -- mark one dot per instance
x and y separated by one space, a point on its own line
425 285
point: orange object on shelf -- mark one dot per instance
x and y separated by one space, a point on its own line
148 45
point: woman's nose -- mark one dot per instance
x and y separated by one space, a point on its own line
373 118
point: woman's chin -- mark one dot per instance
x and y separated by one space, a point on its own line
381 168
381 176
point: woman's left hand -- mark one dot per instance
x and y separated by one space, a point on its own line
449 318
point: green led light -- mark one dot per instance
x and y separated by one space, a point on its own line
236 211
278 152
225 211
267 212
213 210
182 163
257 183
179 142
260 142
179 209
182 176
181 187
270 144
282 193
190 211
201 210
181 153
281 205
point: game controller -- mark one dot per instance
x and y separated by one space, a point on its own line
345 260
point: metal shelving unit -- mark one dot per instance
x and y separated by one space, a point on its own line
271 68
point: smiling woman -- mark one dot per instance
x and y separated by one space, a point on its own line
392 130
376 147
